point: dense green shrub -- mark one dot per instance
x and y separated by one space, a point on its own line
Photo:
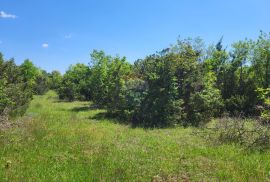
118 73
185 84
158 104
15 90
264 95
55 79
18 84
41 83
134 91
175 92
73 84
207 102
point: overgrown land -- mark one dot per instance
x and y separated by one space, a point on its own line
63 141
190 112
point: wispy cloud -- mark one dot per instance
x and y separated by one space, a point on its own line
6 15
45 45
68 36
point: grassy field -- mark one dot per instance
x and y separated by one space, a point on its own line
61 141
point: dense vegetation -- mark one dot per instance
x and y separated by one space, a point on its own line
227 91
18 84
69 141
185 84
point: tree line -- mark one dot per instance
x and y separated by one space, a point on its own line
187 83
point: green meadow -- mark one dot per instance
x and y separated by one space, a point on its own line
71 141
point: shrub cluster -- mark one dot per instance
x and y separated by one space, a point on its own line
15 90
185 84
18 83
264 95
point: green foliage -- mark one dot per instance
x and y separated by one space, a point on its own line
264 96
206 103
133 91
55 79
261 60
187 55
185 84
15 91
99 76
175 92
34 77
234 77
118 74
73 84
18 84
29 72
157 107
41 83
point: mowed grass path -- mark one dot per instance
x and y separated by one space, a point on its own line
61 141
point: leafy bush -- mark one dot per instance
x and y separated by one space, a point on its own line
118 74
264 95
185 84
55 79
157 103
15 90
73 84
41 83
206 103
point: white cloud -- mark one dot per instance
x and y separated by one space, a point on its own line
6 15
68 36
45 45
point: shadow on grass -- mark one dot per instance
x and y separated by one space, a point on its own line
61 101
102 116
84 108
116 119
112 118
81 109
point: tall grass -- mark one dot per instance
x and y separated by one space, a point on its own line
61 141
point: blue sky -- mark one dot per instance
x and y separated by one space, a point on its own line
55 34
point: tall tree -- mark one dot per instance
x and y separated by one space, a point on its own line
261 60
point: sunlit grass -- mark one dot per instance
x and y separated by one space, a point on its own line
61 141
